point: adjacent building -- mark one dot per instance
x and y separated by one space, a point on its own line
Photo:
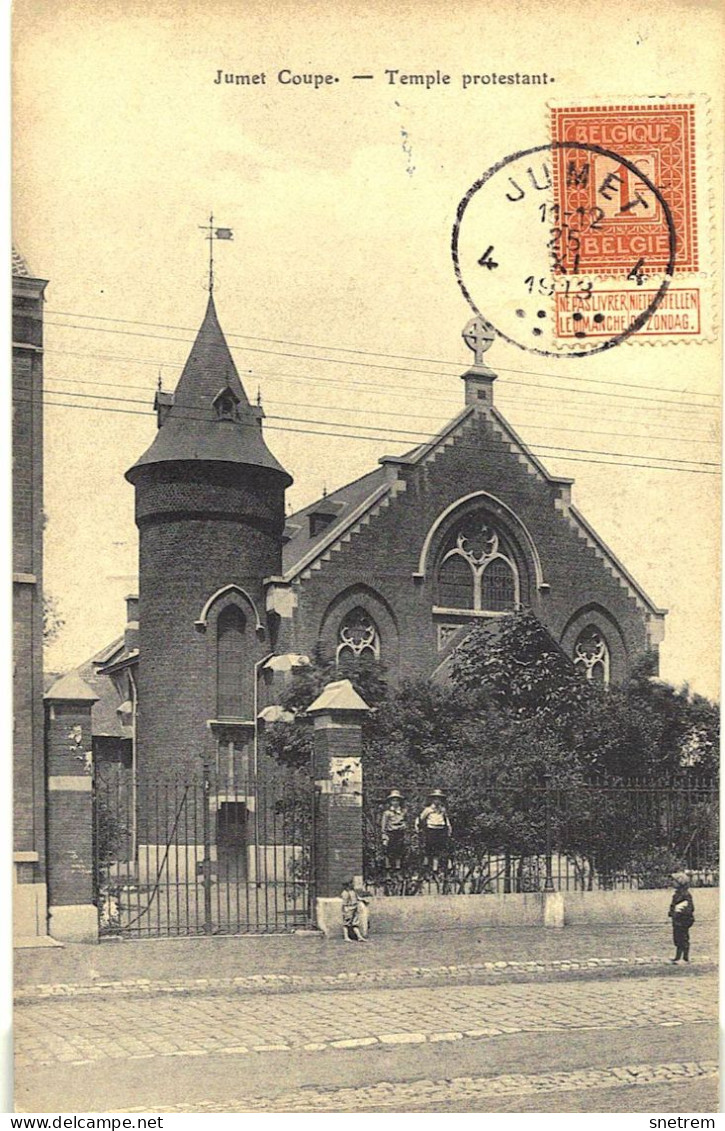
29 853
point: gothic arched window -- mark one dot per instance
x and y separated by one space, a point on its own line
231 661
357 636
591 655
477 571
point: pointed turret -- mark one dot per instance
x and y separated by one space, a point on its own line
210 418
210 514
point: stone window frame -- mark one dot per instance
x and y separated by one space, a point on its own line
206 626
601 658
515 530
479 563
594 615
370 646
350 597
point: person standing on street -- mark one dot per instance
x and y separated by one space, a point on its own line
435 826
392 829
682 913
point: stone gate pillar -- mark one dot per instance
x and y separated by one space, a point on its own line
73 917
337 716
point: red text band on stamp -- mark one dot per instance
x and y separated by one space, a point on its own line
603 314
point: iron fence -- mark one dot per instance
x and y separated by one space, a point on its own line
210 854
582 836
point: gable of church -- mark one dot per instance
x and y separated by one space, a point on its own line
467 527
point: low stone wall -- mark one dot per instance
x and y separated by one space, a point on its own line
408 914
583 907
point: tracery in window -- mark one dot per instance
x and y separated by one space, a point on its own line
358 635
591 655
477 570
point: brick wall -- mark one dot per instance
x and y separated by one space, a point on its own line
27 516
69 811
338 829
385 555
184 560
70 840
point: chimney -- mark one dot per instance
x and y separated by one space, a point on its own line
131 630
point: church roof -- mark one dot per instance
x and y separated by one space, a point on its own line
348 498
353 501
194 428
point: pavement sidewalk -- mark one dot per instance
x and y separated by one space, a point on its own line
283 963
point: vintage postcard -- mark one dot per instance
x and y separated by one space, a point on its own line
366 379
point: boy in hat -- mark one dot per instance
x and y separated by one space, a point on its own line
392 828
436 828
682 914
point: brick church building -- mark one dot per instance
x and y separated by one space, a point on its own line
397 564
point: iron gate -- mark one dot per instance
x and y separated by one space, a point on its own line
203 855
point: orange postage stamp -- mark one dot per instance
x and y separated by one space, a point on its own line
643 191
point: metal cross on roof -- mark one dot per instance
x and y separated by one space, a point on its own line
478 336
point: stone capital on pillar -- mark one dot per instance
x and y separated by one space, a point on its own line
340 701
337 715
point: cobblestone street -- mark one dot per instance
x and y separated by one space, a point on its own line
437 1095
78 1030
430 1047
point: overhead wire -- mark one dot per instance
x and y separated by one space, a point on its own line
353 350
410 433
325 425
367 385
408 414
378 412
395 368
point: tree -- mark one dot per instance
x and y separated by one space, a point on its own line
516 740
646 728
515 664
290 742
53 620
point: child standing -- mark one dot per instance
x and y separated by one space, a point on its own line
351 913
682 914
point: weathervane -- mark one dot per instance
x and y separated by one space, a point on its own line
214 234
478 336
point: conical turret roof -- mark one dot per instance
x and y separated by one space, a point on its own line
195 428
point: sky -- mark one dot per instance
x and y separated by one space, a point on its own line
342 200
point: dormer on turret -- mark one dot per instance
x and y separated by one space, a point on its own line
225 403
